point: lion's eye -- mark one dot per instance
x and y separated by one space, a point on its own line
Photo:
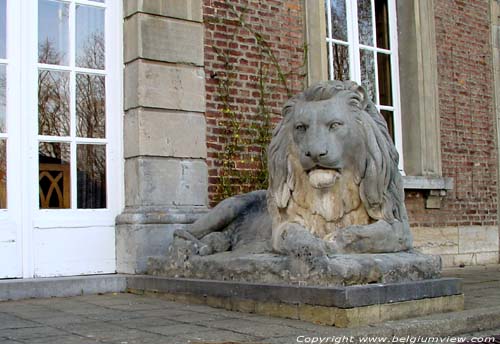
335 125
300 127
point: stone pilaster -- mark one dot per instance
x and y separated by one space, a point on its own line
164 127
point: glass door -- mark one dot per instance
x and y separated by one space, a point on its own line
60 136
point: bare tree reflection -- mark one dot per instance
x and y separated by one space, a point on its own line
54 118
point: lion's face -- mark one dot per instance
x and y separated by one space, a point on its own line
328 138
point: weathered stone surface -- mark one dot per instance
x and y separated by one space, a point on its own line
165 133
138 243
159 85
431 240
163 39
182 9
182 261
163 181
474 239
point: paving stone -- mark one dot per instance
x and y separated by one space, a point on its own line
8 321
211 336
174 330
144 323
31 332
248 327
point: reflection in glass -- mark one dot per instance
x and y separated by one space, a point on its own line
384 79
339 20
367 64
365 22
3 29
340 60
3 99
382 24
389 118
89 37
3 174
54 175
91 176
53 103
90 105
53 32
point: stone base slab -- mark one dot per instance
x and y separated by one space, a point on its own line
335 306
271 268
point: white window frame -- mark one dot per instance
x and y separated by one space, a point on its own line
354 60
22 131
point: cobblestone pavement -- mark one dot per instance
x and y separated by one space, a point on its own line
132 319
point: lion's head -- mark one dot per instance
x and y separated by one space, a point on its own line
332 162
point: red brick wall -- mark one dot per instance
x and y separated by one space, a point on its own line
233 53
467 120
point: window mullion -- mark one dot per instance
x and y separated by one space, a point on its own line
72 49
352 38
393 39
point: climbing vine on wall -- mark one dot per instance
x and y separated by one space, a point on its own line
243 159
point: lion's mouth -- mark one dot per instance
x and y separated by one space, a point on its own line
321 178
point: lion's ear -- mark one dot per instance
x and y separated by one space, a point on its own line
360 96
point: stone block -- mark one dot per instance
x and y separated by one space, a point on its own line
318 314
280 310
150 132
430 240
219 302
163 39
474 239
483 258
181 9
243 305
162 181
164 86
136 243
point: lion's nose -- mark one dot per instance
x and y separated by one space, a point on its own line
316 155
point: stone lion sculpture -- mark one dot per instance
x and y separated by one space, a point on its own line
334 185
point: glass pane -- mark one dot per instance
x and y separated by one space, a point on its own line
367 65
53 32
384 79
340 60
389 118
382 24
54 175
365 22
3 174
3 29
91 176
53 103
3 99
90 106
339 19
89 37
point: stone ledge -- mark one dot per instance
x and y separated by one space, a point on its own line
17 289
340 297
427 183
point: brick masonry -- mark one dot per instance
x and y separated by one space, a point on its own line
467 121
280 24
465 83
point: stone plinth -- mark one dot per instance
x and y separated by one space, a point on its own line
336 270
341 306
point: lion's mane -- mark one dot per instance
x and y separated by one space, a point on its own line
378 181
